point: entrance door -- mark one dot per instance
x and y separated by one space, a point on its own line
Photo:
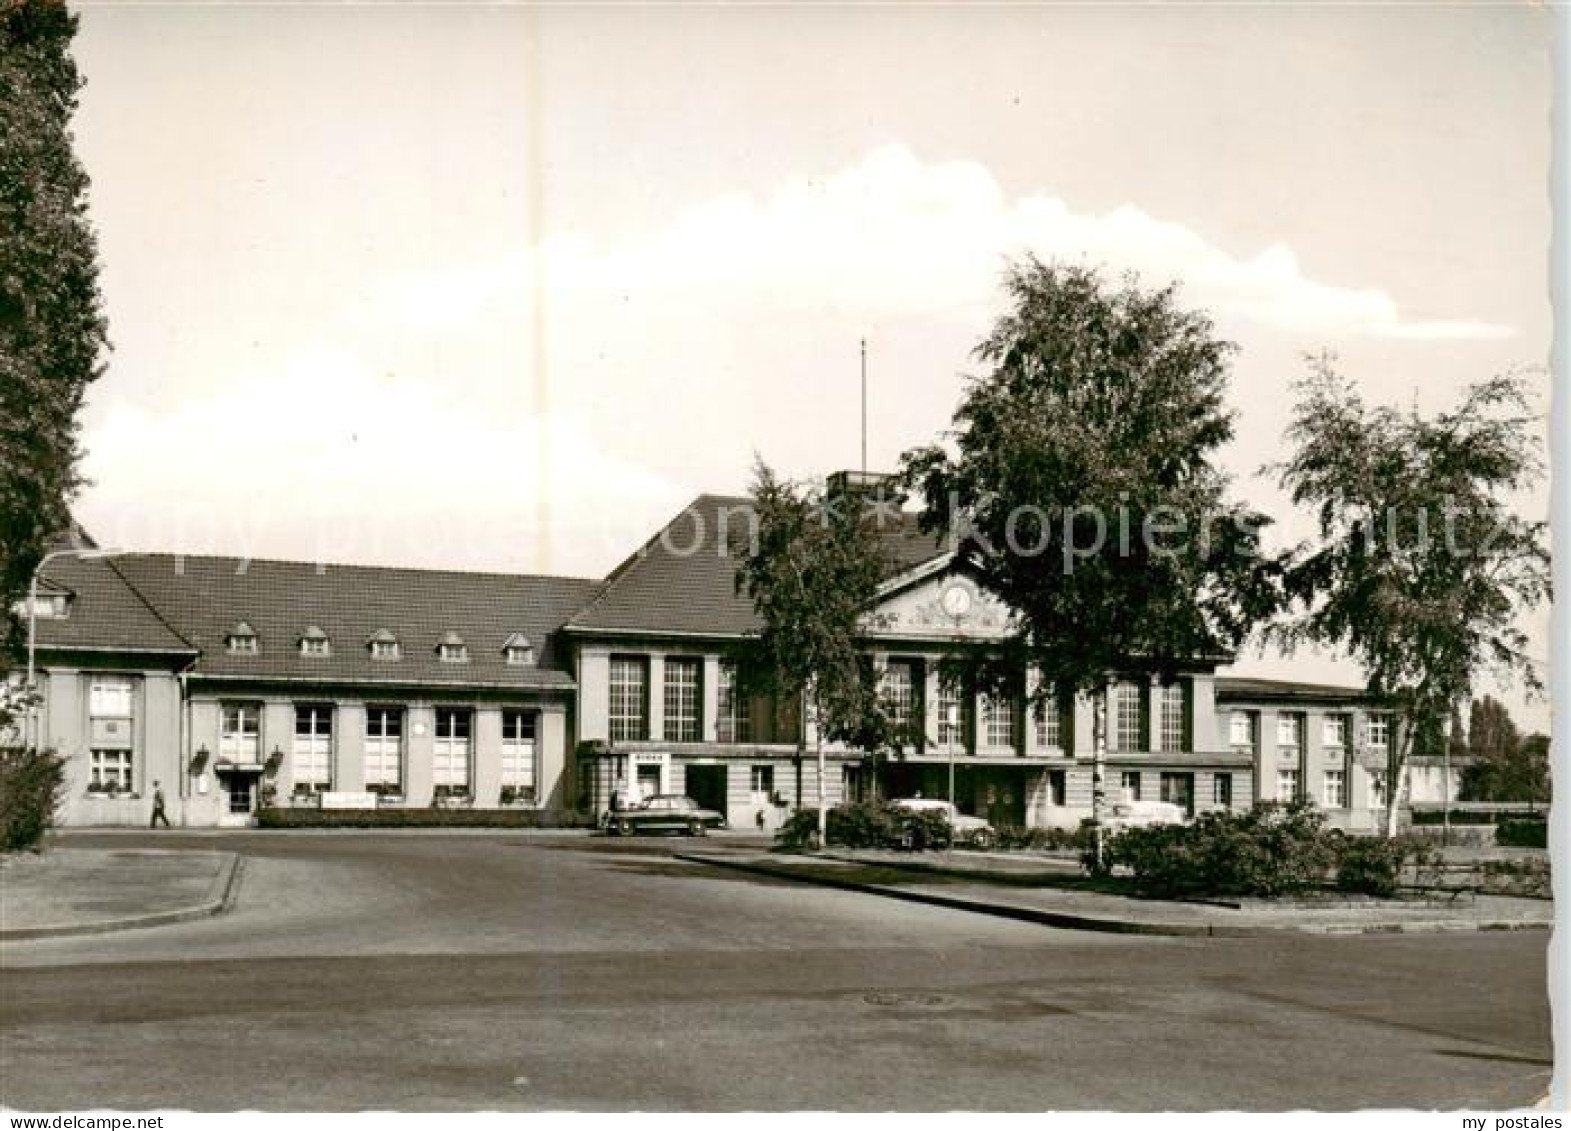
706 785
241 791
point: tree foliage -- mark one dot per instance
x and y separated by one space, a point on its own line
812 572
1080 484
52 330
1421 570
1503 765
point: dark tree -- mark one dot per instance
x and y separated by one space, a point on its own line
812 573
52 330
1421 570
1079 484
1504 765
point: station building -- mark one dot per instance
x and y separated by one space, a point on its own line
238 683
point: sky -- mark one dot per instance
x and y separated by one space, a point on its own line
503 288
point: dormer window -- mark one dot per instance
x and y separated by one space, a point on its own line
47 606
383 645
452 649
517 650
314 642
241 640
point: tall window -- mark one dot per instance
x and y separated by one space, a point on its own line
313 749
1377 733
111 727
762 783
951 715
897 688
1333 734
1290 738
682 712
1129 783
384 747
734 723
1128 717
998 721
518 753
1241 732
629 701
1049 718
1173 718
450 755
1222 790
240 733
1287 783
1336 789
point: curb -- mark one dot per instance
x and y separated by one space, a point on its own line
221 897
1072 922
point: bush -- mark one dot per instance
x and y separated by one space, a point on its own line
31 782
1041 840
421 819
1523 832
867 824
1529 877
1371 866
1270 850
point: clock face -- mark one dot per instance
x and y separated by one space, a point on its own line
956 600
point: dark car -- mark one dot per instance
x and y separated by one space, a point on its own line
668 813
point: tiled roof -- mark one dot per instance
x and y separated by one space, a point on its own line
204 598
683 581
1232 687
105 613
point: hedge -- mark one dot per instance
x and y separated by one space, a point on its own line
414 818
30 785
1522 832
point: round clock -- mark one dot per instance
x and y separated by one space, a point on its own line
956 600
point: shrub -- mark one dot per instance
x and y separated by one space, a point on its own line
1523 832
1528 877
270 818
867 824
1371 865
1270 850
31 782
1039 840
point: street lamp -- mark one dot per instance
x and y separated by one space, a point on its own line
85 554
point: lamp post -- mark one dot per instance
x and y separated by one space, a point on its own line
32 628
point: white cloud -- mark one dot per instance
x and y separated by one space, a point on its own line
321 461
893 236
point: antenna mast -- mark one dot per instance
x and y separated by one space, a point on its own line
864 408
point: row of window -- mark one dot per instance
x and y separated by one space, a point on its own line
1178 788
1336 732
1333 793
382 645
311 751
900 686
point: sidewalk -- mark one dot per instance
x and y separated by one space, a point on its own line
81 891
996 884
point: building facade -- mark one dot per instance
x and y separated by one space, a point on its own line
236 683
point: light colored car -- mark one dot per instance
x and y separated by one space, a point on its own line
666 813
1142 814
970 831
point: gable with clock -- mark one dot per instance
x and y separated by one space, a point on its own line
949 604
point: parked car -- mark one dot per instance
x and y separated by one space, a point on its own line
973 832
1139 814
666 812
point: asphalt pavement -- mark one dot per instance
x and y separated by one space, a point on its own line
523 971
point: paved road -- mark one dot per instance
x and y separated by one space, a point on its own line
506 972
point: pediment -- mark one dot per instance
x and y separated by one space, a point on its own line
950 605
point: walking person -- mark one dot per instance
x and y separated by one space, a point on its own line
158 807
